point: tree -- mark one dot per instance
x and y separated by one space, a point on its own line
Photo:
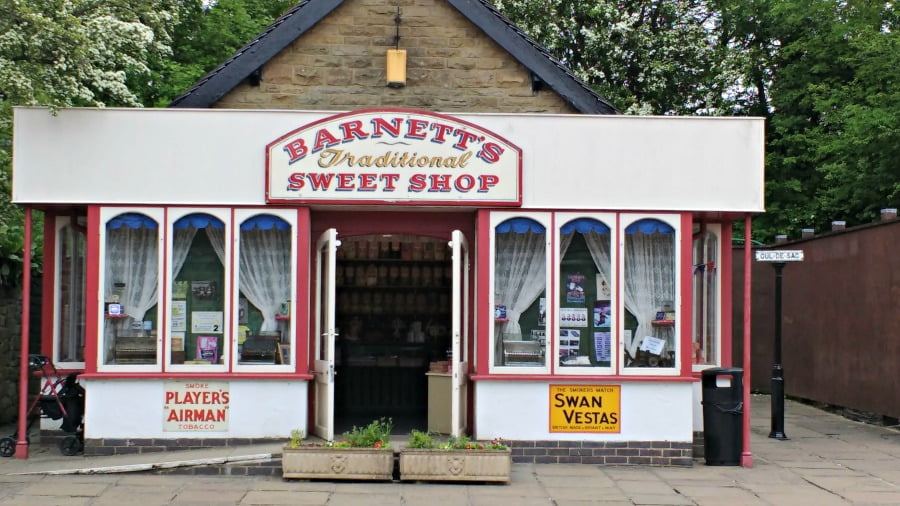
206 35
61 53
645 56
834 129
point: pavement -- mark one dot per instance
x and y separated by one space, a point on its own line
827 460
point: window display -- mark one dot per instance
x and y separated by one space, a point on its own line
520 287
705 335
70 294
650 286
265 283
131 288
199 290
586 320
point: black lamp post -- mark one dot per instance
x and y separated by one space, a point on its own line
777 431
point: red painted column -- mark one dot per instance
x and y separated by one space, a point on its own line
22 442
746 455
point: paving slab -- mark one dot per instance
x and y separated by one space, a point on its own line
828 460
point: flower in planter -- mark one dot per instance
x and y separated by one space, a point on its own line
375 435
424 440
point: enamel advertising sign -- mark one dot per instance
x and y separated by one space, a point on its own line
393 156
585 408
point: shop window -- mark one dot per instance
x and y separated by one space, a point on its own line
650 281
520 281
265 279
705 335
131 287
585 296
198 291
70 292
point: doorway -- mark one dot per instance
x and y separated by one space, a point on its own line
393 317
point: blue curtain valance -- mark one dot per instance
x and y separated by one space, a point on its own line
131 220
265 222
199 221
585 226
520 226
649 227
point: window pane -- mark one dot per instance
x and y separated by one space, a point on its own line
198 302
520 292
706 299
70 305
265 290
649 277
585 296
131 289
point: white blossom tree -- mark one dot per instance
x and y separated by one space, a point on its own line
61 53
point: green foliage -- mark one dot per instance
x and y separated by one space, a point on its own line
297 436
67 53
464 443
375 435
834 135
420 440
204 37
645 56
824 73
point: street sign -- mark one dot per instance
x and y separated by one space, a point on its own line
782 255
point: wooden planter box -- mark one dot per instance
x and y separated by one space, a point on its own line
313 462
455 465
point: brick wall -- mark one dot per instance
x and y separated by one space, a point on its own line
616 453
451 65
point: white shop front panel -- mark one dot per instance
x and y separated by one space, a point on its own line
136 408
217 157
520 410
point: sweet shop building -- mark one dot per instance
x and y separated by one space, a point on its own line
370 212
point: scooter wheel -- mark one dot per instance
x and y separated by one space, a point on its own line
7 447
71 445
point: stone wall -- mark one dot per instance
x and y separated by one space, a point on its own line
339 64
10 344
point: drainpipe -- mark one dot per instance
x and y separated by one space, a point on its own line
746 454
22 442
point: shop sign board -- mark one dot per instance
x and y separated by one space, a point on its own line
779 255
393 156
585 408
196 406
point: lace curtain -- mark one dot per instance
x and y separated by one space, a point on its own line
132 270
649 277
521 274
132 256
265 270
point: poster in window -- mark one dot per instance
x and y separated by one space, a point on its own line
179 315
602 346
603 289
177 341
602 313
204 290
575 288
206 321
243 307
179 290
573 317
569 344
542 312
208 349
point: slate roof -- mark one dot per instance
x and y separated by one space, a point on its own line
303 16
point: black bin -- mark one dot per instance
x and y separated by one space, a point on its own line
723 420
